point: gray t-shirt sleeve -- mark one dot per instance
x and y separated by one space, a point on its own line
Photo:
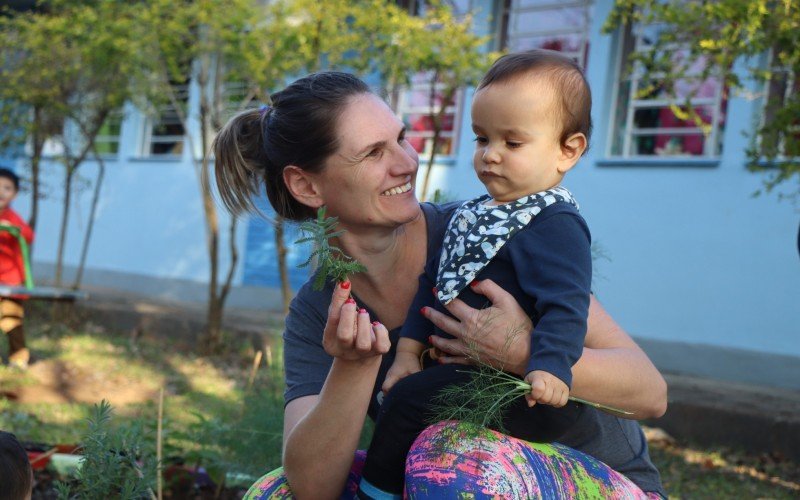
305 361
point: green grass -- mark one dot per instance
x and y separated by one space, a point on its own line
211 413
213 418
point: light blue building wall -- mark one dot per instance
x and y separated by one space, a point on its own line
693 258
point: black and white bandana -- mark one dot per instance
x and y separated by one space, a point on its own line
478 231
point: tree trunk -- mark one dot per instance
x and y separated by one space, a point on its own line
280 246
64 220
92 213
36 158
436 118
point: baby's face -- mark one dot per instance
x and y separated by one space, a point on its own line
517 129
7 192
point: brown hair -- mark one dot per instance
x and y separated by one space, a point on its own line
565 77
299 128
16 476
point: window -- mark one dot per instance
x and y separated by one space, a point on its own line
651 116
237 97
416 107
780 126
107 141
543 24
164 133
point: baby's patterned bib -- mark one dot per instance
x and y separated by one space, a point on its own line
477 231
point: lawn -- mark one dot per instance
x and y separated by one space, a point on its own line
223 415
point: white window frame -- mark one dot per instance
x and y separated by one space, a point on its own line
149 139
516 33
712 142
421 83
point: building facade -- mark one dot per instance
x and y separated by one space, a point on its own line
688 260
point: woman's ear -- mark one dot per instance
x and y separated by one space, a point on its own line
571 151
302 186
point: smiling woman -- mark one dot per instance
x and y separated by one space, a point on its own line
327 140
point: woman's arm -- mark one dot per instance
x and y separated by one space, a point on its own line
321 431
613 370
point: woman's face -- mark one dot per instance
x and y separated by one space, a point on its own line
369 181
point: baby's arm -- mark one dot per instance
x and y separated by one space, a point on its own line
406 362
416 330
553 260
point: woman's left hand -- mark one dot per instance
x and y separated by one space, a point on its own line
499 334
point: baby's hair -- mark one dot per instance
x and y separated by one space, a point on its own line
298 128
16 477
10 175
562 74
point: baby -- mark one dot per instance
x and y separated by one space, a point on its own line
531 115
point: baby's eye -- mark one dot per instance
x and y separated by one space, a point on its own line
513 144
480 140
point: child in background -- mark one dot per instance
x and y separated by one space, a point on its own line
12 270
531 115
16 475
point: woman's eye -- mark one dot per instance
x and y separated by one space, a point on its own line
374 153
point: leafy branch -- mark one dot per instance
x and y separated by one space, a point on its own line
333 263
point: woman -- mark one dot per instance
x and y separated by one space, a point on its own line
327 140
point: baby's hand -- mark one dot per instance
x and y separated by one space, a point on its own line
404 365
547 389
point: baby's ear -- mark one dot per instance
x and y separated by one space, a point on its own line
571 151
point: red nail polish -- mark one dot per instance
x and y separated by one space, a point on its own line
422 310
429 339
345 285
362 311
474 283
434 290
350 301
376 323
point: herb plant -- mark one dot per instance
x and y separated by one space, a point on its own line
332 262
116 463
482 401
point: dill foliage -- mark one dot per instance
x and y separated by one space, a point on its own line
116 463
332 262
483 400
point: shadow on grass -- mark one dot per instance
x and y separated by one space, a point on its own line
218 412
689 471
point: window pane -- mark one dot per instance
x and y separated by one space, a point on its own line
665 117
424 122
561 43
568 19
669 145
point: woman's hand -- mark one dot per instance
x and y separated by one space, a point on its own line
499 334
349 335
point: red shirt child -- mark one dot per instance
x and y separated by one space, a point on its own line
12 267
12 270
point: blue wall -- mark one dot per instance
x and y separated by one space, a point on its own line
260 262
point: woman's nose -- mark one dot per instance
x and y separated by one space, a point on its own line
406 160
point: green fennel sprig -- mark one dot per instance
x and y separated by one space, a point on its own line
332 262
483 400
